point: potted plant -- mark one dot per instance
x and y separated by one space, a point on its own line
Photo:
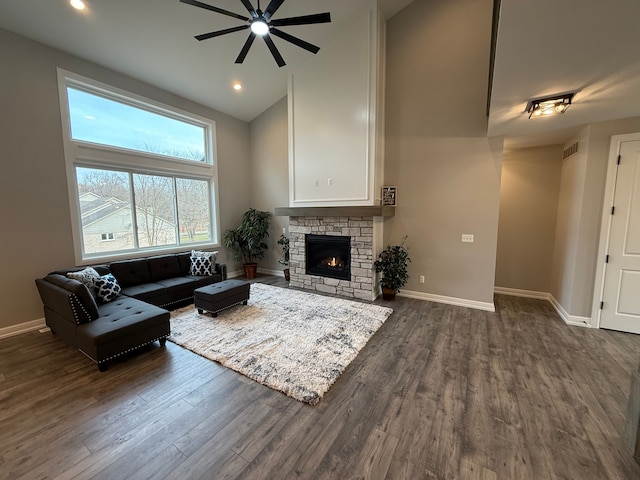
284 242
247 240
392 262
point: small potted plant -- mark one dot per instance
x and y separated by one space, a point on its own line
392 262
284 242
247 240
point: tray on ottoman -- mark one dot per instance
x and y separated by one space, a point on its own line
221 295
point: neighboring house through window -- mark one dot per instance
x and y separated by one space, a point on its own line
142 176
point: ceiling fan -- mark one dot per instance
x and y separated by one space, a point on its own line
262 24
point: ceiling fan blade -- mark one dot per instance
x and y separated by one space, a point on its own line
303 20
206 6
295 40
245 48
274 51
273 6
217 33
249 7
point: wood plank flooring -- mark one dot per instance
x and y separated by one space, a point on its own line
439 392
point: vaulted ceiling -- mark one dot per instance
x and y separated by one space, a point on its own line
543 47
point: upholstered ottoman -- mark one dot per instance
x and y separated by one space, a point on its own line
221 295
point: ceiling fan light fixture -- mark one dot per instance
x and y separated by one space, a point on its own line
77 4
263 25
259 27
549 106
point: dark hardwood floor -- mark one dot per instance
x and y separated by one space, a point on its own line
440 392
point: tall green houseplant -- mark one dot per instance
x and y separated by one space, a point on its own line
247 239
393 263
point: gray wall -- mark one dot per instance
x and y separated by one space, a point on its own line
270 174
580 208
528 209
34 203
437 154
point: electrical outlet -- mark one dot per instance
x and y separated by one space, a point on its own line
329 181
284 230
421 278
316 183
467 238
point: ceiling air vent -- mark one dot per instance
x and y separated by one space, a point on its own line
569 151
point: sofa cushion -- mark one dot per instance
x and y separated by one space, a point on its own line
151 292
202 281
184 259
119 319
87 276
131 272
163 267
107 288
85 307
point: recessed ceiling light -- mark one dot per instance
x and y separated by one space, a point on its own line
237 86
77 4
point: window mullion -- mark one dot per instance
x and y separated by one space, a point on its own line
176 213
134 211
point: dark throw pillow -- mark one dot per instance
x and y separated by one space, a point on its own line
107 288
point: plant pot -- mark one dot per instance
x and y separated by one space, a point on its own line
287 275
388 294
250 270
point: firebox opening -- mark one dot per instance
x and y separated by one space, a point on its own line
328 256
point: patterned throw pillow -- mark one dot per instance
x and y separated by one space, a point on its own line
107 288
87 276
202 263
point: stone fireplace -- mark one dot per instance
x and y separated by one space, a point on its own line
360 225
359 230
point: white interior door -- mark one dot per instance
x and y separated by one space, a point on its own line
621 292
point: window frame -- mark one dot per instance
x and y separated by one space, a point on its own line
80 153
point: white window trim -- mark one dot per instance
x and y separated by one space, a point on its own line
80 153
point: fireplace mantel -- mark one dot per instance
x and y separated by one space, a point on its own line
348 211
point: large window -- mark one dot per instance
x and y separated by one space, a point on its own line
142 176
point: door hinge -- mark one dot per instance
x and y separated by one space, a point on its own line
619 157
601 305
613 209
606 260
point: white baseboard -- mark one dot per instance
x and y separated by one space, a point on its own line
22 328
235 273
572 320
461 302
266 271
516 292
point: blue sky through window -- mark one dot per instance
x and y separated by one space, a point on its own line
101 120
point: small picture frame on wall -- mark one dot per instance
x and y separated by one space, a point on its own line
389 196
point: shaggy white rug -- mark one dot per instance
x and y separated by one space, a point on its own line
292 341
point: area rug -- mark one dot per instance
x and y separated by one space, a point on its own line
292 341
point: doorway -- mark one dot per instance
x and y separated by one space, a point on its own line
619 307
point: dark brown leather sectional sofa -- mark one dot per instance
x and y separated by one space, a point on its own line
137 317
